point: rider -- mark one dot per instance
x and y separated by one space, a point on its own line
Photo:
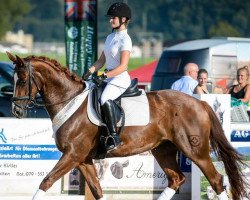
116 54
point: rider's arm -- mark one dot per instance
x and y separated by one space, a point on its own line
125 55
98 64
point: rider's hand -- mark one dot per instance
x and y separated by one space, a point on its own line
86 75
98 80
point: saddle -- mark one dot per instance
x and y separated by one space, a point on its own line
131 91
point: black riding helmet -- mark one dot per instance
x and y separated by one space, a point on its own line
119 9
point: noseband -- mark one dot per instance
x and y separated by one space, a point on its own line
30 101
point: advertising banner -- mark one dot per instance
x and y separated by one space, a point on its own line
80 34
27 154
236 133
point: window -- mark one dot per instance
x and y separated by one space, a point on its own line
169 65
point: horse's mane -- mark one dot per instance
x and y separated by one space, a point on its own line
54 63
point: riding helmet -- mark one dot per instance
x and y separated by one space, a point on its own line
119 9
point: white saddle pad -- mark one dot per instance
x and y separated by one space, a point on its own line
136 110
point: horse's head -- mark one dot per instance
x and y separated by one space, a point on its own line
25 86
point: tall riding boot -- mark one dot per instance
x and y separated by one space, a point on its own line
113 139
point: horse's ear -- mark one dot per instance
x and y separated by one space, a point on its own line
11 57
19 61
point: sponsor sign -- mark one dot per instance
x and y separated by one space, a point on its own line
140 173
27 154
80 34
236 133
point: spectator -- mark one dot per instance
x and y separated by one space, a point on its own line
201 88
241 90
188 82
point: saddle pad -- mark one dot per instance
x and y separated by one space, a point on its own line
136 110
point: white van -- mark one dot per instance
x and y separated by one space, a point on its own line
221 57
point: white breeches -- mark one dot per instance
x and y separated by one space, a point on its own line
115 87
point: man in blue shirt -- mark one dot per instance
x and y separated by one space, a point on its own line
188 82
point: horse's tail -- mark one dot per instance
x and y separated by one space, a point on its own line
224 151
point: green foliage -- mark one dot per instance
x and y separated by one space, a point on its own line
11 11
204 184
176 19
223 29
45 20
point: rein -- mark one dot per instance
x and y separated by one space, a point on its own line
31 102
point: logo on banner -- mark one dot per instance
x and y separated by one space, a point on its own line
2 136
240 136
218 111
72 32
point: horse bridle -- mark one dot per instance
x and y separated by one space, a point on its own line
30 100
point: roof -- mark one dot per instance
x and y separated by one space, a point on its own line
205 43
144 73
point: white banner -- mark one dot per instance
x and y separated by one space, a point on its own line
238 134
27 154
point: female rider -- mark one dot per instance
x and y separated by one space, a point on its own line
116 54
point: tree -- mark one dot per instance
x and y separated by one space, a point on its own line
223 29
12 11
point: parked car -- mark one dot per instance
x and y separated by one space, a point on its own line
6 92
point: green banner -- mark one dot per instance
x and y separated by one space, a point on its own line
80 34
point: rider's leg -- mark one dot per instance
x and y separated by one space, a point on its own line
113 139
115 88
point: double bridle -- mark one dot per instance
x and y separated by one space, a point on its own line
31 102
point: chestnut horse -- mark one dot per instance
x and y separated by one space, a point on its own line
177 122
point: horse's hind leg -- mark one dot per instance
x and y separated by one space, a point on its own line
198 151
89 172
64 165
165 154
213 176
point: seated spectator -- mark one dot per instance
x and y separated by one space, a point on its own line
201 88
188 82
241 90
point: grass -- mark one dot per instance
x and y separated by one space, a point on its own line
133 63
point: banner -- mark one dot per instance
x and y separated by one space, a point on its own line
80 34
27 154
237 134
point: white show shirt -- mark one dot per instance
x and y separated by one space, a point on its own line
115 43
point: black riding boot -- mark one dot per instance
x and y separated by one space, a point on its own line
113 139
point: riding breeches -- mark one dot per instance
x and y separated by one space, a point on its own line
115 87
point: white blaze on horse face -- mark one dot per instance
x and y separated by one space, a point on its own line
15 81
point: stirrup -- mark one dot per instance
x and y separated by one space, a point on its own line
112 142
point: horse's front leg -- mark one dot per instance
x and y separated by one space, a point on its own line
64 165
89 172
